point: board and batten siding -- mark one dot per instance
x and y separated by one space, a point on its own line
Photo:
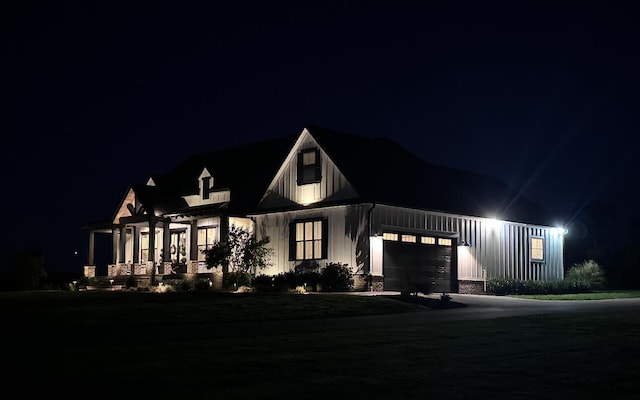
496 248
347 233
285 187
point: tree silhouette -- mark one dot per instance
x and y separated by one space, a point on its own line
24 270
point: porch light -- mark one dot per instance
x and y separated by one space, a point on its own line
559 230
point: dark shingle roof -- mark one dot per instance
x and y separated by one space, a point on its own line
382 171
379 169
246 170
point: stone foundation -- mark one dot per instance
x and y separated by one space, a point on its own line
90 271
377 283
360 283
471 287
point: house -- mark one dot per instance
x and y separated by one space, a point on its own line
324 196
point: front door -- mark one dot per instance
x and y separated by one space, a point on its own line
178 250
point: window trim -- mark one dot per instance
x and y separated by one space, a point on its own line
206 245
315 168
206 187
293 242
144 251
531 249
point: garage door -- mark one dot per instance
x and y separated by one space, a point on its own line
417 267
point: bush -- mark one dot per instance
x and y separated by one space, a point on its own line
336 277
509 286
203 285
333 277
131 282
263 283
233 280
587 274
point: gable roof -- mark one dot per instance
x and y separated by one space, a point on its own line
383 171
379 169
245 170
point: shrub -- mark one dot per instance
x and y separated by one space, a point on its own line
263 283
587 274
203 285
85 281
287 281
509 286
131 282
234 279
336 277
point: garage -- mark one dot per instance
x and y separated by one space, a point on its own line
418 263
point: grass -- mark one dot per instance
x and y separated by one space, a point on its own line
596 295
250 346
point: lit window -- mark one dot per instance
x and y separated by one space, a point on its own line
308 240
309 170
537 248
444 242
409 238
428 240
390 236
206 238
144 247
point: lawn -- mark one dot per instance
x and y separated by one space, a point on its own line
249 346
595 295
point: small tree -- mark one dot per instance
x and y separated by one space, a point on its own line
240 251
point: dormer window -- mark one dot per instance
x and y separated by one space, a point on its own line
206 187
309 167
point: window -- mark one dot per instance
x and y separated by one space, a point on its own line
428 240
409 238
207 236
537 248
390 236
206 187
308 240
309 170
144 247
444 242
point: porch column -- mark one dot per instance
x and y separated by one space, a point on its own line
152 250
166 243
135 233
152 241
194 241
91 248
123 244
114 246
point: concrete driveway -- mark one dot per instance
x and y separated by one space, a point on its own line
475 307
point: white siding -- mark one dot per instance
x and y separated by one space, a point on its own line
498 248
347 236
284 187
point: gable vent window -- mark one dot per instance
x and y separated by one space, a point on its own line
537 248
308 240
206 187
309 167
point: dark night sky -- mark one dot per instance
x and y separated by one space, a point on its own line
97 95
